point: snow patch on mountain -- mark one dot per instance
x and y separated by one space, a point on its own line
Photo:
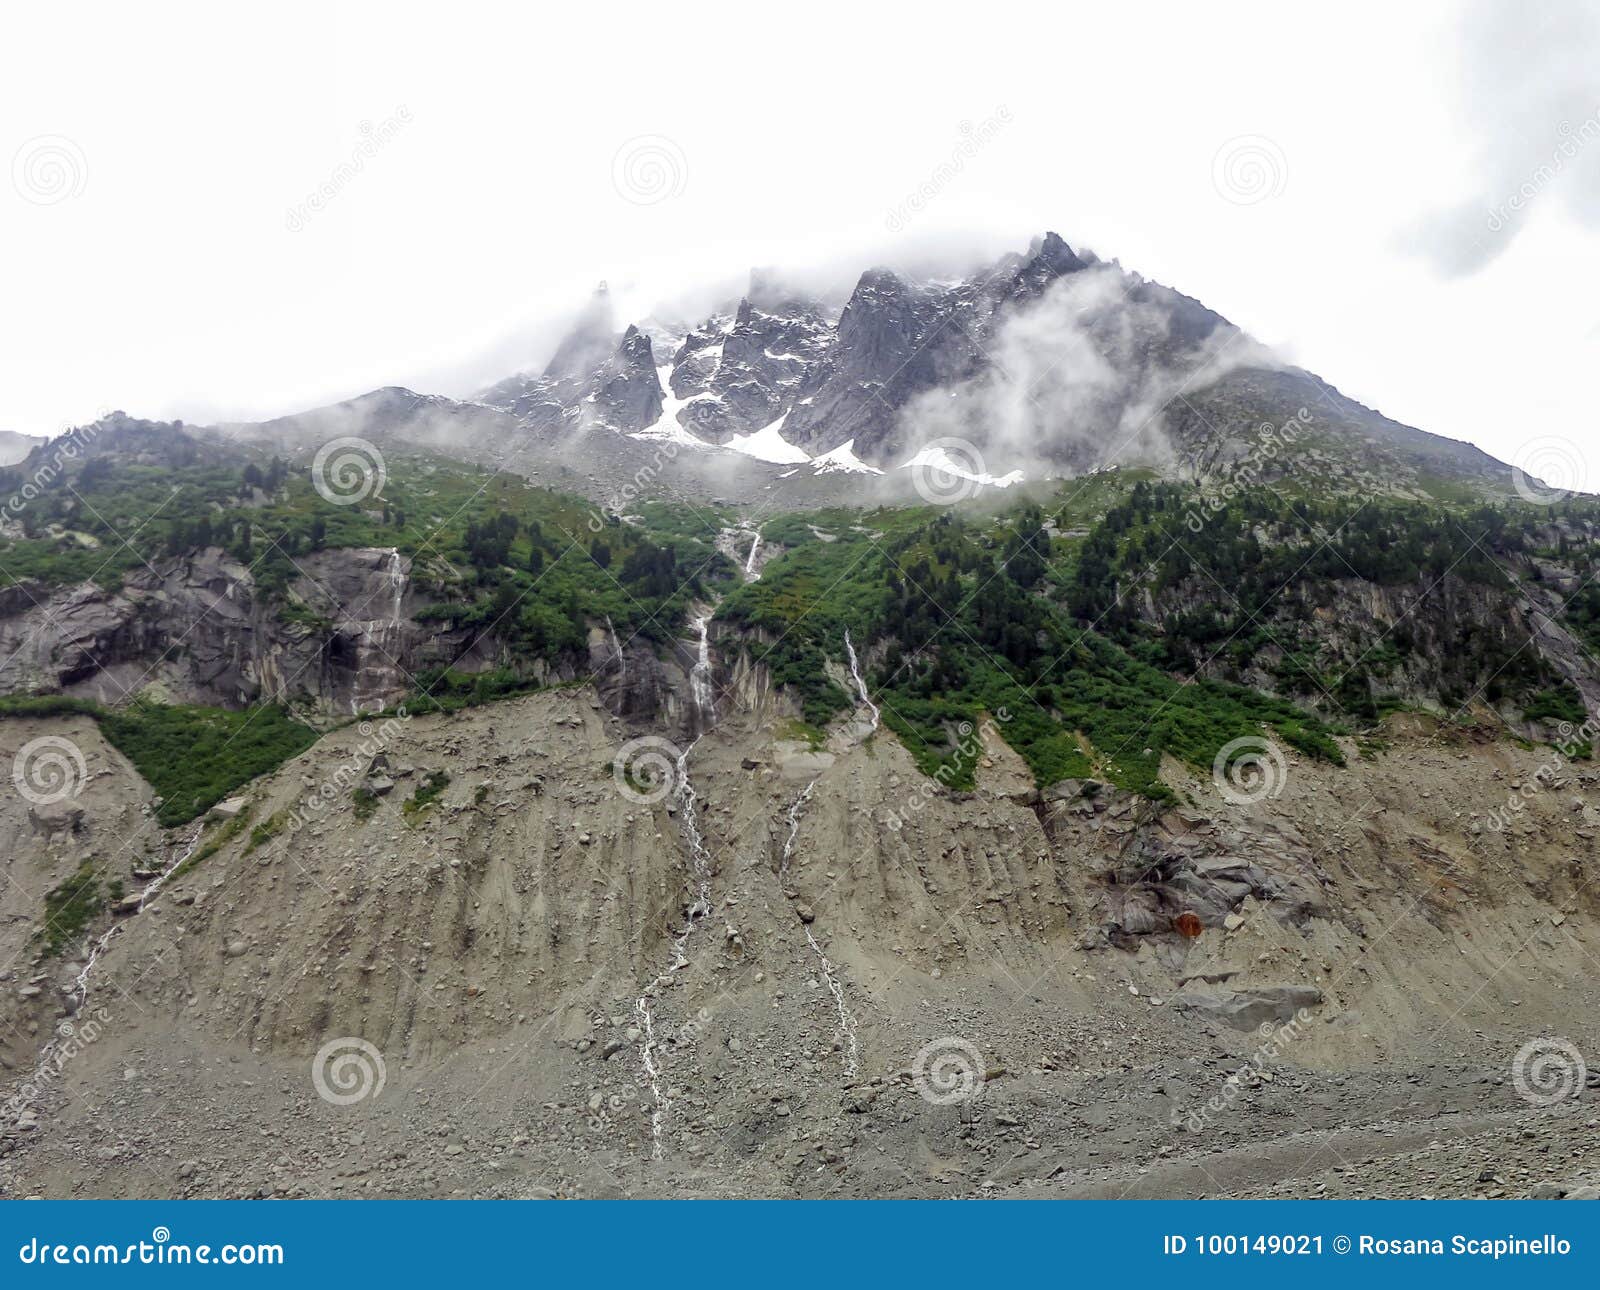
666 428
936 458
768 444
843 460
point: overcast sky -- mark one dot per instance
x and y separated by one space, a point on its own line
1405 198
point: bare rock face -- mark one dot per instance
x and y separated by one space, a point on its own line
630 679
739 380
627 392
595 380
199 628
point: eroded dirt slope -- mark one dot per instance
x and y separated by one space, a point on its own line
934 993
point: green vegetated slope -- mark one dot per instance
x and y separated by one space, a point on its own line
1258 585
969 621
1057 631
528 567
1100 628
193 757
533 565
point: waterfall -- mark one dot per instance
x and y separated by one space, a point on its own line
861 686
81 984
700 873
847 1022
750 574
700 689
794 832
380 636
396 571
616 649
702 695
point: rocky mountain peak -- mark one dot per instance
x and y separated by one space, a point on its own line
904 345
589 342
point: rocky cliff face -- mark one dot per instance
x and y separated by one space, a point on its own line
1340 643
595 380
197 630
738 377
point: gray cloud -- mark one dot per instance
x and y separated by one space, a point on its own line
1080 379
1530 100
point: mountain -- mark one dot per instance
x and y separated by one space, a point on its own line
1051 363
1006 735
15 447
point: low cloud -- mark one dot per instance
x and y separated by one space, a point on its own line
1530 101
1081 378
